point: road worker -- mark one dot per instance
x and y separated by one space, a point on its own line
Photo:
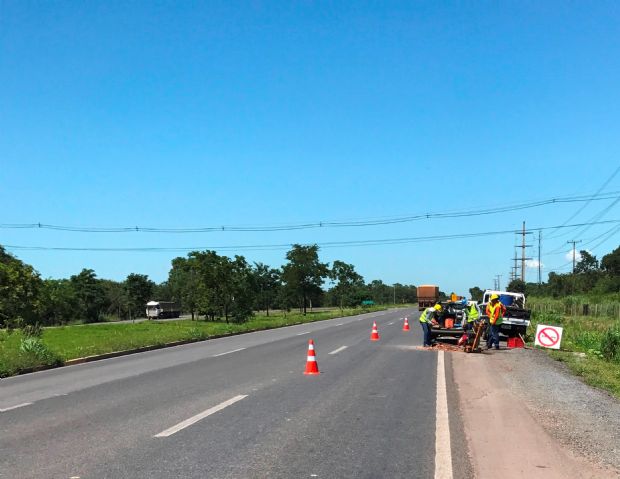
472 316
495 311
426 318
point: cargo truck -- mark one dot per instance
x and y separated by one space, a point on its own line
428 295
162 309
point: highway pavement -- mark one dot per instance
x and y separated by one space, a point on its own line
241 407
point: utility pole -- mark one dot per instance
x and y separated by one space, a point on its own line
539 242
523 254
497 282
574 243
523 258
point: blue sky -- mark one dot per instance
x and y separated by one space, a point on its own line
189 114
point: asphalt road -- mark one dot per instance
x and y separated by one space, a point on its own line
241 407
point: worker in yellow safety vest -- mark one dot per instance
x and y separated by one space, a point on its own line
425 321
495 311
472 316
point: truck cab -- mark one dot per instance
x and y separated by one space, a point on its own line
517 317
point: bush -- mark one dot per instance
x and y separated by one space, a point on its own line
33 346
610 344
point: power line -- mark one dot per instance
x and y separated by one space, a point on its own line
329 244
321 224
603 186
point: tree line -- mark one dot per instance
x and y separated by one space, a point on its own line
203 283
590 276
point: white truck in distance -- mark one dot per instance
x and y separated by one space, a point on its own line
517 318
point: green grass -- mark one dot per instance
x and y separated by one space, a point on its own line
70 342
592 370
583 347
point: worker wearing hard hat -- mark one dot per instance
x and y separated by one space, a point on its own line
495 311
426 318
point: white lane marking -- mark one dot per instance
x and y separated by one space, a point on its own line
339 324
228 352
301 334
336 351
390 324
15 407
194 419
443 449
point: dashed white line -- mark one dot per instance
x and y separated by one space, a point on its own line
194 419
443 450
390 324
301 334
15 407
339 324
228 352
336 351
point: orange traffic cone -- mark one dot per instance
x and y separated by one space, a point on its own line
374 335
406 325
311 365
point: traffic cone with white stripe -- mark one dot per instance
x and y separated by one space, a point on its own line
374 335
311 365
406 325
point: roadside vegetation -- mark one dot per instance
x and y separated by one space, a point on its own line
590 347
586 303
29 348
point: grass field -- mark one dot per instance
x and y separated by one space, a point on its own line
57 345
590 347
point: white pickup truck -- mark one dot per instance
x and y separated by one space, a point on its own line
517 318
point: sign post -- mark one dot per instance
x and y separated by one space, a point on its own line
548 336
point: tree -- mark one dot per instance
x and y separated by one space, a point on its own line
90 295
516 286
587 264
58 302
266 282
138 290
304 273
19 290
611 262
183 281
348 283
476 293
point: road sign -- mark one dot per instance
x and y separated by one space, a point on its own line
548 336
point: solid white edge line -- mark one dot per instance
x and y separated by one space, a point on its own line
194 419
15 407
228 352
443 447
336 351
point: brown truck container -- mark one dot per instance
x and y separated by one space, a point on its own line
428 295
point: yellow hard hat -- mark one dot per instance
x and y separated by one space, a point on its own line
437 307
494 296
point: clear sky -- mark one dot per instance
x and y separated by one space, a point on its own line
193 114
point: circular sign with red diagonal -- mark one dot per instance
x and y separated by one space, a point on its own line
548 336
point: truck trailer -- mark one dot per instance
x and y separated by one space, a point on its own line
162 309
428 295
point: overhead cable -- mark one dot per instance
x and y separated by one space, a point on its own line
320 224
328 244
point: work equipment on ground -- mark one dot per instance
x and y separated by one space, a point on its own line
478 329
406 325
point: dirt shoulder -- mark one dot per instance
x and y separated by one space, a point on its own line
525 415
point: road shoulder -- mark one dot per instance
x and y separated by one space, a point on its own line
505 435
